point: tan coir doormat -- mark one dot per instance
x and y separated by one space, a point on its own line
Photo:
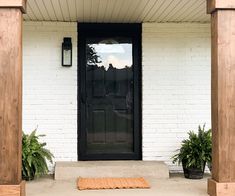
112 183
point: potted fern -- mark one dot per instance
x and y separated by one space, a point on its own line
34 156
194 153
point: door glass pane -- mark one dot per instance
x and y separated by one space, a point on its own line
109 95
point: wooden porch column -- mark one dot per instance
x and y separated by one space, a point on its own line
223 97
11 97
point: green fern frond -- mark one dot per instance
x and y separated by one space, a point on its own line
34 156
196 150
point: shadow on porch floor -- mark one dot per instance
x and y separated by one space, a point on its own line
175 186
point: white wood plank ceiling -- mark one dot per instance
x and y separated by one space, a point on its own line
122 11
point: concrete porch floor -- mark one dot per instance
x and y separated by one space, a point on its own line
176 185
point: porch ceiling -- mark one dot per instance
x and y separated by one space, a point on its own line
122 11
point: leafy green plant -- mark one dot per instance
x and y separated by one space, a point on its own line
34 156
196 150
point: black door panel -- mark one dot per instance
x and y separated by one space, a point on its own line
109 71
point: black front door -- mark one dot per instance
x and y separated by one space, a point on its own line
109 91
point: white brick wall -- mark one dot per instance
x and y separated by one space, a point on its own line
50 90
176 86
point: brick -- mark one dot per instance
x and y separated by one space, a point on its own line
176 86
50 91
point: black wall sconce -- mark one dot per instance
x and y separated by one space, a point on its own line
67 52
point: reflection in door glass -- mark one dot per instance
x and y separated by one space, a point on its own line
109 87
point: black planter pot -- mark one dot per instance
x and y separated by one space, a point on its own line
27 178
193 173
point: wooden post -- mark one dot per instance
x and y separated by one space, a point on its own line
11 97
223 97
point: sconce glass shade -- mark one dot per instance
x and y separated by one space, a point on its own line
67 52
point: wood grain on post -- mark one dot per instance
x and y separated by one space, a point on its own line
13 190
11 97
21 4
213 5
223 97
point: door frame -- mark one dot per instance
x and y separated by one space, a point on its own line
110 29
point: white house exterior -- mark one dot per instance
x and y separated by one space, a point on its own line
176 87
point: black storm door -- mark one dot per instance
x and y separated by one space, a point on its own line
109 91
